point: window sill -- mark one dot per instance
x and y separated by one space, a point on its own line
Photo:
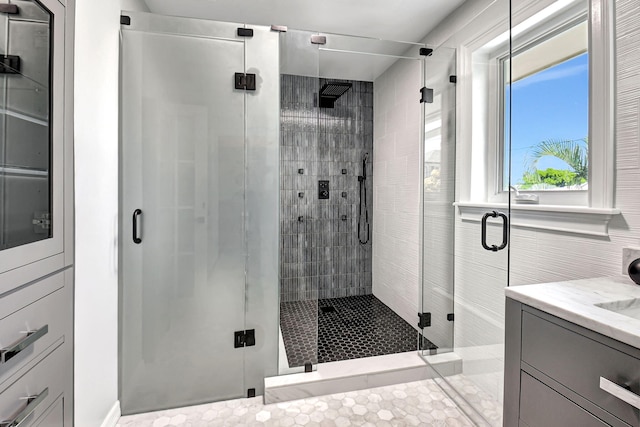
569 219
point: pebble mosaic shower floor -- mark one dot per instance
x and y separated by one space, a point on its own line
336 329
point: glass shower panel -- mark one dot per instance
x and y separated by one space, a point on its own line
183 216
301 224
369 123
438 189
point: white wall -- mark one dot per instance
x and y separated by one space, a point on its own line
96 194
396 188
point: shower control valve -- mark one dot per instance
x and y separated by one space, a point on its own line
323 189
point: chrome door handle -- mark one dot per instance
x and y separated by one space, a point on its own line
32 404
620 392
9 353
137 240
505 232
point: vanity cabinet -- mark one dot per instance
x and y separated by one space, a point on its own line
36 214
560 374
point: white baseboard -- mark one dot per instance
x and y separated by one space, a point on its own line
113 416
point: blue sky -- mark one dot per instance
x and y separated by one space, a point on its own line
551 104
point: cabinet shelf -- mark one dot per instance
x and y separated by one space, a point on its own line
23 172
24 117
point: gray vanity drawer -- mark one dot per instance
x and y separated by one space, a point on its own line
541 406
578 362
49 314
55 416
46 379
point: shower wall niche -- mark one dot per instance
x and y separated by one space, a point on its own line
320 252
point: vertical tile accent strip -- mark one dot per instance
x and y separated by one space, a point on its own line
320 256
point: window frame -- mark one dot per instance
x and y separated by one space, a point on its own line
476 152
540 33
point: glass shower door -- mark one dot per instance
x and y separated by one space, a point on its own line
182 220
466 212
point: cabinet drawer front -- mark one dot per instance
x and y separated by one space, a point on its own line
47 378
54 418
541 406
578 362
47 318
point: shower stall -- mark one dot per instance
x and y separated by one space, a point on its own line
287 200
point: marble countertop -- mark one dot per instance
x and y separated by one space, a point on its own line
575 302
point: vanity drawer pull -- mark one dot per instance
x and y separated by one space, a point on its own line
32 404
9 353
620 392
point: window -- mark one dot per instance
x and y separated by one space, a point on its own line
550 112
561 106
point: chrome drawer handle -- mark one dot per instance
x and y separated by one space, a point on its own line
32 404
9 353
620 392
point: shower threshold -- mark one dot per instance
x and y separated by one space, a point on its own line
357 374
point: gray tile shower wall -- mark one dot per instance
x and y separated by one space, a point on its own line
320 254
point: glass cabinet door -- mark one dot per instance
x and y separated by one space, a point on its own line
31 100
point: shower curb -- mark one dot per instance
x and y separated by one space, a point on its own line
358 374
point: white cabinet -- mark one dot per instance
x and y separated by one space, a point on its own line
36 214
34 234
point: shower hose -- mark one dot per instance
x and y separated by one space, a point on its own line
362 237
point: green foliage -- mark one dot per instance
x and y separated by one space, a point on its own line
552 177
573 152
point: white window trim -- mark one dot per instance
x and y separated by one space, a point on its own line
476 189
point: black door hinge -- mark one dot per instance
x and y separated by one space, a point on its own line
425 51
245 32
9 9
450 317
125 20
424 320
9 64
426 95
245 81
453 79
244 338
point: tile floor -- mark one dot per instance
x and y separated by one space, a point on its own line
420 403
345 328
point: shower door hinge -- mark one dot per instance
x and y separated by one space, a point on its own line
279 28
9 64
244 338
453 79
450 317
424 320
245 81
125 20
245 32
425 51
426 95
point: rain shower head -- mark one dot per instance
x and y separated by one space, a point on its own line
331 91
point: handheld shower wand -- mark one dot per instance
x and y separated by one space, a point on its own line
363 220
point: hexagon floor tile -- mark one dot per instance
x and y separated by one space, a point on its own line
344 328
420 403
